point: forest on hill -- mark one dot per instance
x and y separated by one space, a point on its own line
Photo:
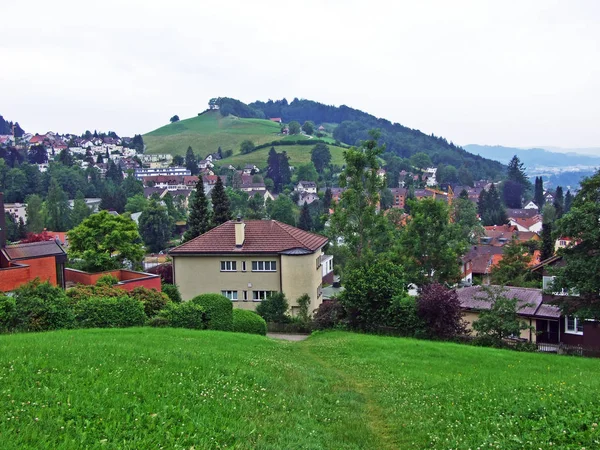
354 125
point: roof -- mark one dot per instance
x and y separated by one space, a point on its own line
307 183
474 297
521 213
527 222
32 250
261 236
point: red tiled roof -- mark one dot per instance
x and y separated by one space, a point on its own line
261 236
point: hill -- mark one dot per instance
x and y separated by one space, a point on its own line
209 131
298 154
533 157
170 388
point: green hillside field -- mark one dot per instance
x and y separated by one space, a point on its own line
171 388
298 154
205 133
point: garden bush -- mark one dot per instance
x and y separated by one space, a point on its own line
219 311
41 307
107 280
8 309
403 316
330 314
81 292
181 315
440 310
245 321
152 300
109 312
274 308
172 292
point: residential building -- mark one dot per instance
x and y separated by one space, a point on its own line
527 223
248 260
306 186
17 210
307 198
399 195
531 205
140 173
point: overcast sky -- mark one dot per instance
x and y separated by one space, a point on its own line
515 73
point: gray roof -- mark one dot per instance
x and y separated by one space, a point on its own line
530 300
33 250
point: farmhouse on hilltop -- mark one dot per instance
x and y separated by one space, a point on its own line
247 261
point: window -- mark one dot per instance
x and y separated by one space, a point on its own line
243 266
318 261
245 296
320 290
573 325
228 266
258 296
231 295
264 266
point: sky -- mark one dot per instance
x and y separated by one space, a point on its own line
514 73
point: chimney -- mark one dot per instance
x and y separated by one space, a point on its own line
240 234
2 222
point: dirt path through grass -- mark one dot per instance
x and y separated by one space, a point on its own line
375 417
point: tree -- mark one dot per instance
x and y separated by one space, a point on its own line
307 172
559 202
274 308
178 160
199 220
464 214
490 208
465 177
282 209
320 156
37 155
421 160
387 199
138 143
247 146
220 202
66 158
132 186
355 217
308 127
516 172
35 216
155 226
501 320
327 199
513 194
305 221
538 195
547 241
57 209
440 310
80 210
294 127
256 207
579 274
429 246
113 197
190 162
369 291
174 119
512 268
105 242
568 202
114 173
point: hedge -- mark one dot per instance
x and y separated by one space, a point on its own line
181 315
245 321
109 312
219 311
152 300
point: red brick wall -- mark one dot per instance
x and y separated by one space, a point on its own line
129 279
27 270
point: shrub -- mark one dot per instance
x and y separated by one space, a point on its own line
81 292
219 311
182 315
303 305
107 280
248 322
8 308
404 316
152 300
172 292
329 315
439 308
274 308
158 322
41 307
109 312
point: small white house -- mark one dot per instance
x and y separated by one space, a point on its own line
306 187
531 205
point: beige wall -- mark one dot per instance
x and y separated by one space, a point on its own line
530 335
295 276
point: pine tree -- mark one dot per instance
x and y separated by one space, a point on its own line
547 241
199 219
114 173
273 169
21 229
190 162
327 199
559 202
305 221
490 208
538 197
221 205
568 201
516 172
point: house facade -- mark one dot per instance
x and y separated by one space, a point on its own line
247 261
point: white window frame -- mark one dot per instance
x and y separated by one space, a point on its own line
261 266
228 266
259 296
230 294
577 322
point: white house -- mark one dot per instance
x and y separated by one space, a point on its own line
530 205
306 187
17 210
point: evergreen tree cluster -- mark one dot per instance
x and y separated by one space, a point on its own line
490 207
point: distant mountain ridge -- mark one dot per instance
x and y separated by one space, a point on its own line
532 157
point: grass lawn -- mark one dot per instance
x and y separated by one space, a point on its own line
207 132
299 154
162 388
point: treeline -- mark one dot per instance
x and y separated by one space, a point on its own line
311 142
6 127
399 140
234 107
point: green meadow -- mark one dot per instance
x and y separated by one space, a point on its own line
298 154
179 389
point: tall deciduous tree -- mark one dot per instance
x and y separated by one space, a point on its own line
80 210
35 215
308 127
57 207
512 268
464 214
220 202
440 310
155 226
282 209
320 156
104 241
294 127
199 220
